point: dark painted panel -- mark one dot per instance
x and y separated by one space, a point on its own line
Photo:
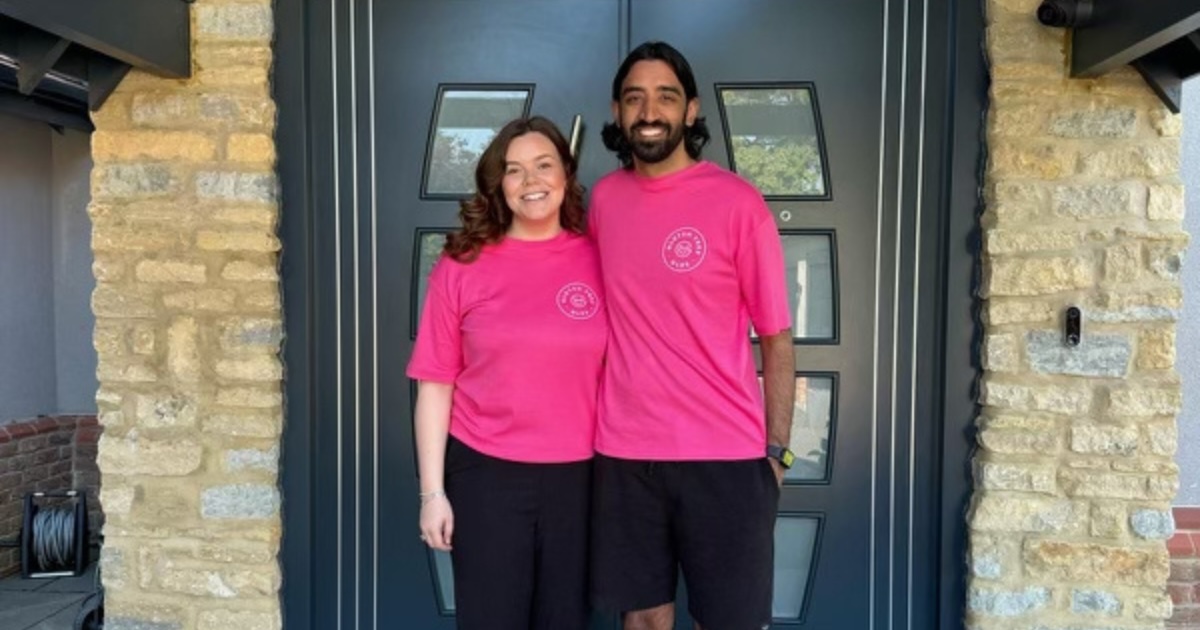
841 53
329 126
150 34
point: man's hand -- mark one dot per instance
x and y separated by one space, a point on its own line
778 469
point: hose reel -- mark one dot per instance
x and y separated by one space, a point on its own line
54 534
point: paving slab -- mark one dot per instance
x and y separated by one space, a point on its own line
20 610
64 620
84 583
17 583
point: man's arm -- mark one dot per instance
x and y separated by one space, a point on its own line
779 389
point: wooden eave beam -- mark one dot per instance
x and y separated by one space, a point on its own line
151 34
1122 31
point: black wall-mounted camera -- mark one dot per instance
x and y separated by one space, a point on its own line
1073 326
1065 13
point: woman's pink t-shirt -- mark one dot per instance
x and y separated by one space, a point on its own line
521 334
690 260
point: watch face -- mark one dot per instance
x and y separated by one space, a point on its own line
782 454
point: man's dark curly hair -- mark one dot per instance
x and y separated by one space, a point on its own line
694 136
486 216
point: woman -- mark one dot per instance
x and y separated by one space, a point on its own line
508 358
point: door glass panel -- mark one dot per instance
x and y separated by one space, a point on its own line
774 139
444 578
812 422
812 428
465 121
809 272
796 539
429 249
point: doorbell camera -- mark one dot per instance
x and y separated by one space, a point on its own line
1073 326
1065 13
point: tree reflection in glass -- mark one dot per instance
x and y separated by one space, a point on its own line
467 120
812 425
774 140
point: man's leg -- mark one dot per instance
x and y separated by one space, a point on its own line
657 618
725 531
633 562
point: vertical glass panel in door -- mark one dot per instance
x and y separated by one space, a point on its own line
465 121
443 571
774 139
813 421
812 428
796 540
429 250
810 276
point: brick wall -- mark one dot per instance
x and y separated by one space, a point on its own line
45 454
188 329
1184 584
1075 470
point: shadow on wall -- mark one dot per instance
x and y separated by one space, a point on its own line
1184 585
1188 331
48 426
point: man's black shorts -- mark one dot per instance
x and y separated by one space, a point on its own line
713 519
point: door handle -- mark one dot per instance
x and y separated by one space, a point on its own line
576 129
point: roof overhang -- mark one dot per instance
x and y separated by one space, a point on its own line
1159 38
61 58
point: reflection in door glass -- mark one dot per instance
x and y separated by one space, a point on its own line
812 427
808 260
429 249
444 571
774 139
466 122
795 549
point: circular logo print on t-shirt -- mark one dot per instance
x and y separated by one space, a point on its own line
578 301
684 249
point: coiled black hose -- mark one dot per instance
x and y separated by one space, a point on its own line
54 538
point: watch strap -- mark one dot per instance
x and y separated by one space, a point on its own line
781 454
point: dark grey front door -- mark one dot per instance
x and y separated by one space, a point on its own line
453 73
816 103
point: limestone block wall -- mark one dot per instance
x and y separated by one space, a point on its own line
188 330
1075 472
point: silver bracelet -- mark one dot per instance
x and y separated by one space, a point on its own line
426 497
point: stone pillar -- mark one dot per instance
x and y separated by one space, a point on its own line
188 330
1074 474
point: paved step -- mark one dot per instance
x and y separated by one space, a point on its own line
43 603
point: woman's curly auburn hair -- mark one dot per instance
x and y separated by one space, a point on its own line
486 216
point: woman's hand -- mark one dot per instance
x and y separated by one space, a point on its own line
437 522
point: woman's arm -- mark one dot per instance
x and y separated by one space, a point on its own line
432 430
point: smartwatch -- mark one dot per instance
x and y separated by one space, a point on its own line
781 454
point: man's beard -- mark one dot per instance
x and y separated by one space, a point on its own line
656 150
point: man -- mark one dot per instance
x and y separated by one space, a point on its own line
691 259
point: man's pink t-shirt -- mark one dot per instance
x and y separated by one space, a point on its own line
690 260
521 334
